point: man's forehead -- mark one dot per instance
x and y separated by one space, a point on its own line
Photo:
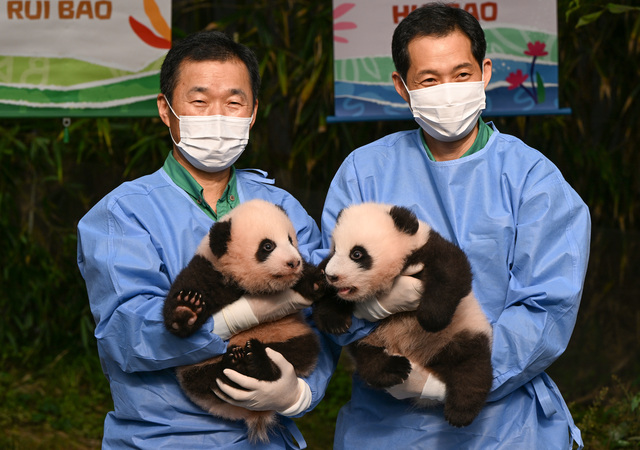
453 50
215 78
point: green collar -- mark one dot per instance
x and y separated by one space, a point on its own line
183 179
484 133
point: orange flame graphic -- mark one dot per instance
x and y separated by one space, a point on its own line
159 24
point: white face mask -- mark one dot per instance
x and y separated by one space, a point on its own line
212 143
449 111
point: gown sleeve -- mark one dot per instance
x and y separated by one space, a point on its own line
127 282
546 278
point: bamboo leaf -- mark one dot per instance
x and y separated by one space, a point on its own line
619 9
281 64
589 18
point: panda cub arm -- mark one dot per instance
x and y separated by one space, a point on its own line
197 293
331 314
446 279
200 290
312 285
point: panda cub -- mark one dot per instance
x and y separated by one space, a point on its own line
372 244
252 250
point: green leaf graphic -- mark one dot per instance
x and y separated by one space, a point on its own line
540 88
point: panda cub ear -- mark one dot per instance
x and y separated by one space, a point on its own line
219 237
404 220
339 214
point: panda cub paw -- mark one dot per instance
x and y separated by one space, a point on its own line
333 315
252 361
395 371
381 370
185 313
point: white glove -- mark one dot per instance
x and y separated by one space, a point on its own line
404 296
420 383
250 310
288 395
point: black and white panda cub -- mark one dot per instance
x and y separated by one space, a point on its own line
448 334
252 250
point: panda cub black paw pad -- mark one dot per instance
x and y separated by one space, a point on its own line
252 361
185 314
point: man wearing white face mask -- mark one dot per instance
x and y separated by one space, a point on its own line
525 230
135 241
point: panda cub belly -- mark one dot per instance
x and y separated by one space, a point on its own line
448 334
251 251
398 333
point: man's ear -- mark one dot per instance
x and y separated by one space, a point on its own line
400 87
255 114
486 67
163 109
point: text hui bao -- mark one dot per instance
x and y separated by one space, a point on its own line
63 9
485 11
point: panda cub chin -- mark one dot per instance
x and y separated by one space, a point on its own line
448 334
253 251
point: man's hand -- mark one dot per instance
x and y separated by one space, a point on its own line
404 296
288 395
275 306
421 383
251 310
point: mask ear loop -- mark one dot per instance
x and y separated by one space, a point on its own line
169 104
408 93
176 116
405 85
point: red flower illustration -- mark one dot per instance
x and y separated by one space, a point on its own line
338 12
516 79
536 49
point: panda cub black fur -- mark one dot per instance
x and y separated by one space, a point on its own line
252 250
372 244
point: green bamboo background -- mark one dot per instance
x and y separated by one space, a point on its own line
51 387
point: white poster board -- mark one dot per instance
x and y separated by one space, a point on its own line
522 42
81 57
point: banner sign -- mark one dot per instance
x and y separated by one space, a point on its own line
72 58
522 42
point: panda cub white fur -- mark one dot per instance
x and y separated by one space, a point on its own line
372 244
252 250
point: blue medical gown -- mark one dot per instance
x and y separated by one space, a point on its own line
526 233
131 246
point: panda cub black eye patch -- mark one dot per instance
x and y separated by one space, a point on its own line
361 257
264 249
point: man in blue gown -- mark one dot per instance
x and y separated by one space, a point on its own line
525 230
134 242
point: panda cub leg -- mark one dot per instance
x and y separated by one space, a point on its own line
465 367
252 359
301 351
378 368
199 380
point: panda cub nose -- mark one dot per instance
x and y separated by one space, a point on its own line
331 278
293 263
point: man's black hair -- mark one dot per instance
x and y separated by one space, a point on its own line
439 20
206 46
